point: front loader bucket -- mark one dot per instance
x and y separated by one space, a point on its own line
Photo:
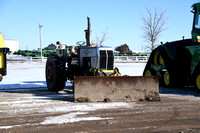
115 89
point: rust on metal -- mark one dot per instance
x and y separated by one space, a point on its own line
115 89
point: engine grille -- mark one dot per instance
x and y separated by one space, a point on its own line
106 59
102 59
110 60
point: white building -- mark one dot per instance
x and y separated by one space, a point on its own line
12 45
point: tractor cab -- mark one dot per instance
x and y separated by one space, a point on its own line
196 23
98 60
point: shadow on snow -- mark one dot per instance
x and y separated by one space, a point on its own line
180 91
39 89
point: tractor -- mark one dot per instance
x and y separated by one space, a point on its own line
178 63
94 77
3 52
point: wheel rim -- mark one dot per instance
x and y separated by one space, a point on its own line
167 78
198 82
161 60
147 73
158 60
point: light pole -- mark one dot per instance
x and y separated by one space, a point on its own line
40 42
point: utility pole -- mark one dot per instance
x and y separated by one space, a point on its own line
40 42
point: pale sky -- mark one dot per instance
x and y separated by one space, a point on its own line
66 20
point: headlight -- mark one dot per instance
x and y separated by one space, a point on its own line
198 38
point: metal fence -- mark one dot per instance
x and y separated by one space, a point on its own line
18 58
131 58
117 59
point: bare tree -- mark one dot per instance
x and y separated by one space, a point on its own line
102 38
154 24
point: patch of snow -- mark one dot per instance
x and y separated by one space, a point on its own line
131 69
70 118
62 119
7 127
32 74
90 107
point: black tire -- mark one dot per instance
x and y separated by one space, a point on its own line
55 73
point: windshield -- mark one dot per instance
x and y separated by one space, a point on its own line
197 21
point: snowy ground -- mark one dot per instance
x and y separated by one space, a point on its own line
32 74
24 91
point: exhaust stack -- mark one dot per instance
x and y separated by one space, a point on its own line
88 34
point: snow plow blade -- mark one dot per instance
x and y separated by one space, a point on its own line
116 89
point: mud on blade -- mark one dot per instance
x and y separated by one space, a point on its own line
115 89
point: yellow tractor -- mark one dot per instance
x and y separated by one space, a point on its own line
3 52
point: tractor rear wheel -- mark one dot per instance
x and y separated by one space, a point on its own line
55 72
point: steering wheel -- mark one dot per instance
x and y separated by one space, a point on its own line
81 43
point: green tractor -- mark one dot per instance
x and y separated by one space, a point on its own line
178 63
